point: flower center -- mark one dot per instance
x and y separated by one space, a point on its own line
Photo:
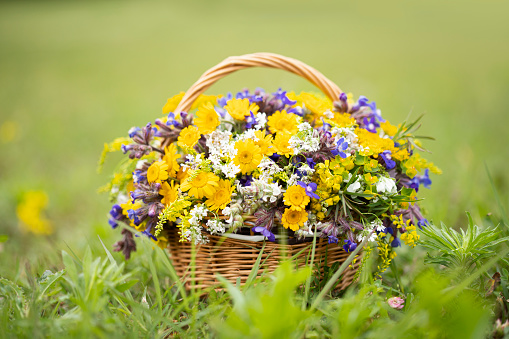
245 157
200 180
293 217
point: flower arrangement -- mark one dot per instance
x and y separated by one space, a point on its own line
301 164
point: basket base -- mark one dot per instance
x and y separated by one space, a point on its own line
234 259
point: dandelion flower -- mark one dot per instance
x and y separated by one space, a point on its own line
169 192
157 172
172 103
170 157
248 155
30 210
221 197
207 118
188 137
294 219
281 121
201 184
296 198
240 108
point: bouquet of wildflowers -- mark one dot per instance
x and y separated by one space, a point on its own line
277 165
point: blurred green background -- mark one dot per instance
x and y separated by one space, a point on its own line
76 74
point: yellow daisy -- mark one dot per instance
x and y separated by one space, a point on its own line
188 137
248 155
201 184
207 118
170 157
317 104
157 172
281 121
172 103
296 198
281 144
204 99
264 142
169 192
182 174
240 108
221 197
294 219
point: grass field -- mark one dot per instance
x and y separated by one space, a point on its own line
74 75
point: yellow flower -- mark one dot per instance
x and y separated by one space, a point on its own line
201 184
282 144
182 174
410 237
343 119
157 172
188 137
315 103
29 212
130 206
207 118
221 197
169 192
296 198
388 128
170 157
172 103
294 219
264 142
240 108
281 121
248 156
372 142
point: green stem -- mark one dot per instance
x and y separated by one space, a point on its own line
394 270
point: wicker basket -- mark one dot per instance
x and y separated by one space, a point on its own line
234 258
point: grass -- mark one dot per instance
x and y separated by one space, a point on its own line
77 74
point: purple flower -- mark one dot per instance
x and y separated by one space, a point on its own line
310 163
332 239
246 180
389 163
266 233
349 246
116 212
343 97
310 189
424 180
296 110
171 120
251 120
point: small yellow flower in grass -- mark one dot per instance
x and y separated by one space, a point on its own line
169 192
264 142
248 155
296 198
281 144
207 118
294 219
157 172
240 108
221 197
200 184
170 157
410 237
281 121
188 137
172 103
29 212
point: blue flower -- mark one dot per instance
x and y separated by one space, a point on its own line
281 95
259 229
342 145
343 97
251 120
246 180
333 239
389 163
116 212
395 242
171 120
371 124
310 189
310 163
224 100
112 223
424 180
134 217
423 223
296 110
133 131
349 246
138 176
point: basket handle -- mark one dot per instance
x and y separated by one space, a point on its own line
269 60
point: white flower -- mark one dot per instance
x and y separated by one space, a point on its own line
386 185
355 187
215 226
261 120
328 114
